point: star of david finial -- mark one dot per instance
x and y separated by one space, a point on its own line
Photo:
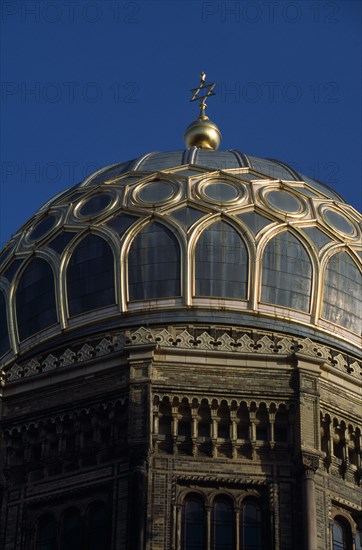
207 90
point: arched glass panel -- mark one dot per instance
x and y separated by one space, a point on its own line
222 525
342 535
4 335
72 530
287 273
154 264
221 263
193 524
35 299
98 527
90 276
250 527
342 301
46 533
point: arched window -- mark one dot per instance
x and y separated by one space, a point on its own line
250 526
221 263
193 524
72 530
222 525
342 301
4 336
287 273
46 538
341 535
90 276
154 264
98 527
35 299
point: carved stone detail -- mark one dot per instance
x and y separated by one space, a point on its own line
163 338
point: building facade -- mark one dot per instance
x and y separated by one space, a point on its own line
181 365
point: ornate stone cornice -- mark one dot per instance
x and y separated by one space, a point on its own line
256 344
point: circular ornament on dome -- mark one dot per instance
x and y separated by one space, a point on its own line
156 192
42 228
220 192
339 222
95 205
283 201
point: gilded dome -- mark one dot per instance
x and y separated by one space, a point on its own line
214 237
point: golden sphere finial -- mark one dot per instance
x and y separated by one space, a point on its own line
203 133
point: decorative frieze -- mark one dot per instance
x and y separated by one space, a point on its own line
162 338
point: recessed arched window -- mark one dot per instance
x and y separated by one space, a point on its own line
222 525
342 301
154 264
46 538
221 263
4 335
98 527
90 276
35 299
72 530
250 526
341 534
193 524
287 273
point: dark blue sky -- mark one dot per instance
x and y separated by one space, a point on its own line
86 84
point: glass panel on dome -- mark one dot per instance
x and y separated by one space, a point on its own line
342 302
187 216
35 299
249 176
221 263
95 205
43 227
318 237
219 160
270 168
221 192
90 276
287 273
4 335
283 201
339 222
111 173
254 221
156 191
325 189
61 241
154 264
12 269
122 222
156 162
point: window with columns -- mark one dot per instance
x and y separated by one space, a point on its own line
194 425
341 442
74 530
222 524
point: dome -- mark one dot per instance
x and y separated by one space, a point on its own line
213 237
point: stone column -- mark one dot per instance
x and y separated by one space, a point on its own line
310 465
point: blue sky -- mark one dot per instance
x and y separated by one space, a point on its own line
86 84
